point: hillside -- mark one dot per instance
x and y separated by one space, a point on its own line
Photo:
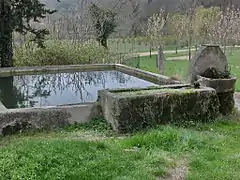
130 12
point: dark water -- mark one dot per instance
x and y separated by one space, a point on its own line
62 88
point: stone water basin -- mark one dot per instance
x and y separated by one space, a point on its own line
136 109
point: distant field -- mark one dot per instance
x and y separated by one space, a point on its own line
180 67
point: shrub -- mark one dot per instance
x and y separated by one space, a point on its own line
62 53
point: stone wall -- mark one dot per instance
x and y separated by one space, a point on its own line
22 120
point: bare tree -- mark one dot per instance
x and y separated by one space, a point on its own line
154 32
178 26
189 7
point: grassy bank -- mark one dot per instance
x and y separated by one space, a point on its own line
93 151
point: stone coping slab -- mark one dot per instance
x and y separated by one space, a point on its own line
13 71
146 75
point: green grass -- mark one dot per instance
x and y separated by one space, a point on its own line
122 46
180 68
171 67
169 55
92 151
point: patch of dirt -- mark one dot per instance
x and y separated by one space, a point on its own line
90 136
178 173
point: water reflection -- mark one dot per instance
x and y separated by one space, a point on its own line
62 88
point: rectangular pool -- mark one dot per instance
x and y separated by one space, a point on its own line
27 91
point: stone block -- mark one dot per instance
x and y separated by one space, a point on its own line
14 121
128 111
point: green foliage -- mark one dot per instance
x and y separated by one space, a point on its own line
97 125
24 12
19 16
103 22
62 53
206 22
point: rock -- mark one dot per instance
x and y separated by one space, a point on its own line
227 103
16 127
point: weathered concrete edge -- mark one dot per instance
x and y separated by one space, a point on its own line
49 118
79 113
113 92
153 77
170 86
233 78
146 75
51 69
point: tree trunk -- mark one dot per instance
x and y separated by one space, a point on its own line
190 48
8 92
176 43
6 49
161 59
104 43
150 52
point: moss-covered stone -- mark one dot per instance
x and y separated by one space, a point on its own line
227 102
135 112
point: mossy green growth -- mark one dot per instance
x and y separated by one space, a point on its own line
130 111
155 91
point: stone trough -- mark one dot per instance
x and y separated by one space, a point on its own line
135 109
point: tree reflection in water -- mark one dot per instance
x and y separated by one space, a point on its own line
61 88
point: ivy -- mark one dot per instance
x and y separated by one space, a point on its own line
104 23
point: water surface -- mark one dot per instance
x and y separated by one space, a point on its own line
62 88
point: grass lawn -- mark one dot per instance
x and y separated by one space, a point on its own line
177 55
127 47
180 68
93 151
